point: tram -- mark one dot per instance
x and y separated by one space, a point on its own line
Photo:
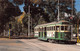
55 31
78 35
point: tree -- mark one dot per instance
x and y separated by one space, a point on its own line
18 2
47 6
7 10
48 9
78 14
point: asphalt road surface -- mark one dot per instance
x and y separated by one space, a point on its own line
34 45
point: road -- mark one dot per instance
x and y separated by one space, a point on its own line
34 45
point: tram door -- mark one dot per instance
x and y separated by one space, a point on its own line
57 31
45 33
79 35
39 31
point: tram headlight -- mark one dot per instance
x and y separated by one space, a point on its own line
74 35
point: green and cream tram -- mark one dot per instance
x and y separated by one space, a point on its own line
54 31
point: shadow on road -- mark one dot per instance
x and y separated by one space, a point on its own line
18 37
62 43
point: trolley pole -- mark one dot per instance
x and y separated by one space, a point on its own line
58 11
29 21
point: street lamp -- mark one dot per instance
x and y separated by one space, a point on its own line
72 8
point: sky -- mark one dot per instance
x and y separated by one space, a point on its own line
77 6
21 7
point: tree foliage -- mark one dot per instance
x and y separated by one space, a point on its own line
78 14
7 10
47 9
18 2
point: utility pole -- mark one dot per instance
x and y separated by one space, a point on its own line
72 15
4 31
72 8
31 26
58 11
29 21
10 30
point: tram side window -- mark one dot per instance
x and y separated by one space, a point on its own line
54 27
35 29
66 27
57 27
43 29
50 28
40 29
47 28
62 27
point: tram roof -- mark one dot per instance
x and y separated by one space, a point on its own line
51 23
